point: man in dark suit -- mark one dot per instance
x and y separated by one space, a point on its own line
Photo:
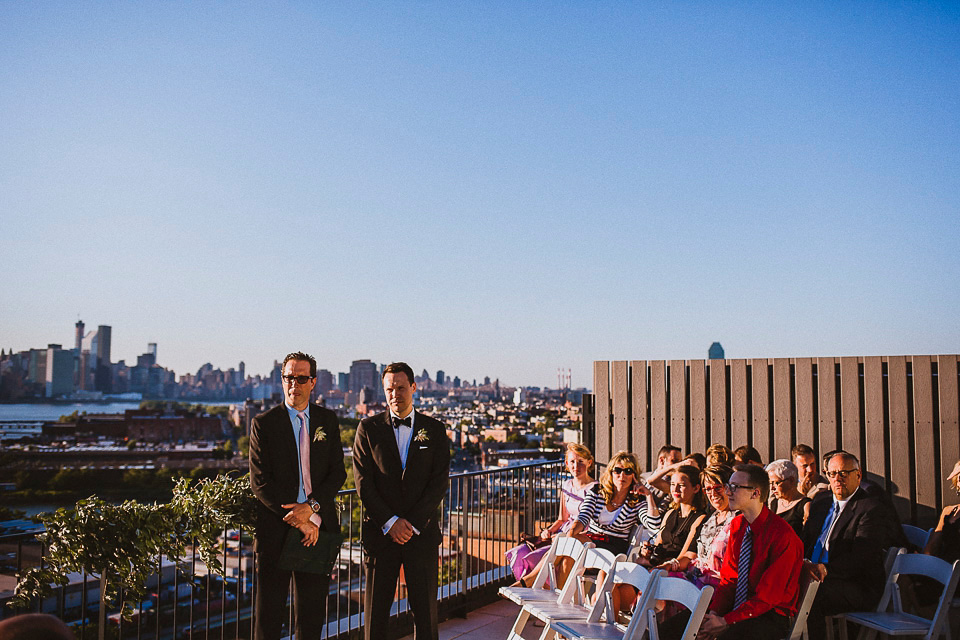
401 464
844 542
296 470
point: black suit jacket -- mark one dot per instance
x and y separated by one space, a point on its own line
859 538
386 489
275 472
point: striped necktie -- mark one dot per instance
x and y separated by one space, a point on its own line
743 568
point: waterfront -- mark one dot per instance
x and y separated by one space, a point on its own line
31 412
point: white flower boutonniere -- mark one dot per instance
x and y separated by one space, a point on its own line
421 436
319 435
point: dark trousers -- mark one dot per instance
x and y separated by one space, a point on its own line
310 591
839 596
420 572
768 626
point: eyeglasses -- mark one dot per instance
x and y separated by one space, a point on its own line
627 471
732 488
715 488
841 473
298 379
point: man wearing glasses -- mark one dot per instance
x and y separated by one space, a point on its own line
844 540
760 571
296 470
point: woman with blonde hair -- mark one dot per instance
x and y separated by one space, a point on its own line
615 505
524 561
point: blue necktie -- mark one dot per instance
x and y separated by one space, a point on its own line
743 568
820 553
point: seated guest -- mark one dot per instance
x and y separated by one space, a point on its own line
681 524
702 566
659 480
760 572
525 562
612 508
747 455
615 505
719 454
667 458
810 481
944 541
786 500
844 541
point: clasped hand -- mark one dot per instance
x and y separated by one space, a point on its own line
401 531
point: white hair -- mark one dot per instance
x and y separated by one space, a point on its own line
783 469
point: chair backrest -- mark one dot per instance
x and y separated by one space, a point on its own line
644 581
687 594
561 547
637 537
916 536
590 558
808 591
918 564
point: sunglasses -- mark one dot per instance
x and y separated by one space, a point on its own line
627 471
297 379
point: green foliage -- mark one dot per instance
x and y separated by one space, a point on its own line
6 513
131 444
122 542
347 436
243 445
72 417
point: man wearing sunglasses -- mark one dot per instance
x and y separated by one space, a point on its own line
844 540
296 470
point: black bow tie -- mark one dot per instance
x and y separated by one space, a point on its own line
401 421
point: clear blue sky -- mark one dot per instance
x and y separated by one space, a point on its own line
489 188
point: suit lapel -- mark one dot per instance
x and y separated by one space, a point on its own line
392 464
846 515
413 447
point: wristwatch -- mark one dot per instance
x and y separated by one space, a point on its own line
314 505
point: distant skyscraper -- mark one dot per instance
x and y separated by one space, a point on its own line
456 382
343 381
152 349
242 370
441 378
79 336
363 373
58 371
715 352
324 381
103 344
486 379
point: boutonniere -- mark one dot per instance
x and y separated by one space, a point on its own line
319 435
421 436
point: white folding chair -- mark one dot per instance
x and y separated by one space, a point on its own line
545 585
897 622
682 592
637 538
916 536
808 591
572 602
640 578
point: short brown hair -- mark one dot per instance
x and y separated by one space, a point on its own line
300 355
719 454
758 478
398 367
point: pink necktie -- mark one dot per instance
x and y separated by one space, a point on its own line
304 455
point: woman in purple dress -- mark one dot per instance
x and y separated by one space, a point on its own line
525 562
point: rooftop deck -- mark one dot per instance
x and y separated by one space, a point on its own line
491 621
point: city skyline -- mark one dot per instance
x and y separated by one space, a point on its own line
493 189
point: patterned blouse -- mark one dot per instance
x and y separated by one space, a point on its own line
712 542
628 515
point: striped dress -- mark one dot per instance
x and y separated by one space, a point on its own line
626 518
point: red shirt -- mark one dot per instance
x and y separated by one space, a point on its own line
774 571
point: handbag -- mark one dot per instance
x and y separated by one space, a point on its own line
318 558
533 542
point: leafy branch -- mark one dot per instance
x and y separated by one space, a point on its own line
123 542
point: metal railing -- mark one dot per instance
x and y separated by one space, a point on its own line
482 517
